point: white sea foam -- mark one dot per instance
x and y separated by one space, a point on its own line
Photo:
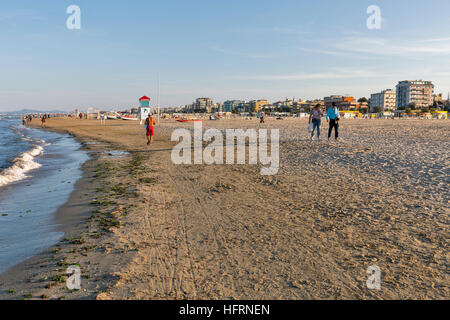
21 165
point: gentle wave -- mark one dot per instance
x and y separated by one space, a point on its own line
21 165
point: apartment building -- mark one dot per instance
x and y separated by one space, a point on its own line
328 101
230 105
342 102
203 105
257 105
386 100
306 106
417 92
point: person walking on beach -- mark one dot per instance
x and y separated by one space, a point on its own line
261 118
316 119
333 116
44 118
149 128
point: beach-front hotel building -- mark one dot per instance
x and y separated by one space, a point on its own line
417 92
342 102
386 100
203 105
257 105
328 101
231 105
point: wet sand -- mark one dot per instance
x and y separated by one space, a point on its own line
163 231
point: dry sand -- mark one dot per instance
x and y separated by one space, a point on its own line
163 231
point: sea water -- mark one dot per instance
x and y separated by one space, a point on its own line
38 172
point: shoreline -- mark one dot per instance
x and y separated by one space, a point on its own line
26 277
33 276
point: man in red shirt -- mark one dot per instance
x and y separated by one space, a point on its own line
150 129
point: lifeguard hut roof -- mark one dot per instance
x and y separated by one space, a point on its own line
144 98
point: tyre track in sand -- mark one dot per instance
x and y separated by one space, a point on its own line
182 224
160 259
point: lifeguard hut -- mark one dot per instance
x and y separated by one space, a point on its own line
144 102
144 107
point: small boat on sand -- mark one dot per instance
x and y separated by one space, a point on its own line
130 117
113 115
189 120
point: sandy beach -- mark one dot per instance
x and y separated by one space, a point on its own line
141 227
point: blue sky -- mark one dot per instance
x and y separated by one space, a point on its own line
221 49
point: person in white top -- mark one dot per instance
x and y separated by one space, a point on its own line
316 119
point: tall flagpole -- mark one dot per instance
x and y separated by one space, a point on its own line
157 102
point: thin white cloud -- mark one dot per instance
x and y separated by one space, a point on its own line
326 52
337 53
194 92
21 16
442 74
352 33
384 47
336 73
243 54
437 40
295 31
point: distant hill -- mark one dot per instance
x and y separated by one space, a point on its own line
23 111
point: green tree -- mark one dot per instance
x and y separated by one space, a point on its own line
378 109
362 100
